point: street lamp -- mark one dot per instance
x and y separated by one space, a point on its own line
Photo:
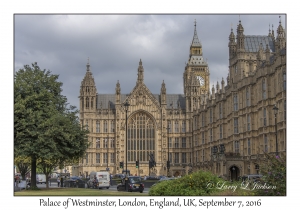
275 113
107 142
126 105
168 163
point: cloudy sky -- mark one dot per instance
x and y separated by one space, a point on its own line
114 44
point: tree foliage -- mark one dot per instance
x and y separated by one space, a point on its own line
45 127
23 165
274 176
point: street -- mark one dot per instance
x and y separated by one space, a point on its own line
54 185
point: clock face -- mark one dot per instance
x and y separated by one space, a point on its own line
201 79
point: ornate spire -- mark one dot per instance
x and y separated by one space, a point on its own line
118 88
195 42
163 88
140 72
88 65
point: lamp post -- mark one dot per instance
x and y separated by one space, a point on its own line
126 105
107 142
168 163
275 113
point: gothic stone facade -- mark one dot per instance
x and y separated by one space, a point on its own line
226 129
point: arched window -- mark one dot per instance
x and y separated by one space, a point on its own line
141 137
264 89
105 130
87 102
247 97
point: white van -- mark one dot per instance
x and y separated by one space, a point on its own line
40 178
103 178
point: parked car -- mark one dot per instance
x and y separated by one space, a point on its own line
134 184
102 179
252 177
40 178
152 178
73 181
119 176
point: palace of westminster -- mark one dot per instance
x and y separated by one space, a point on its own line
225 129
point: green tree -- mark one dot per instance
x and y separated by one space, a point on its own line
45 127
23 164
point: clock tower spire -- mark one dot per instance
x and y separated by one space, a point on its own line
196 74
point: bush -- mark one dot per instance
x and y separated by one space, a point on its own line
274 176
195 184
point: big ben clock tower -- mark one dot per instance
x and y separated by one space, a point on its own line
196 74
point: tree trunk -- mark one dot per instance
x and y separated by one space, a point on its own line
47 180
33 173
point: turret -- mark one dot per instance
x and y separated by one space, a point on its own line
240 38
118 93
140 78
163 93
88 91
232 44
280 39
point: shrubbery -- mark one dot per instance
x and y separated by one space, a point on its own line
274 175
194 184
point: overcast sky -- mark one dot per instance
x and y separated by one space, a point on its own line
114 45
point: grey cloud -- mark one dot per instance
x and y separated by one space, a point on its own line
114 45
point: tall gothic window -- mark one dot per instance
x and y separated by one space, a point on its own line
97 127
97 142
105 129
97 157
141 137
210 115
183 142
248 97
265 116
105 143
235 102
248 122
105 157
170 142
170 126
87 102
220 111
176 142
265 143
112 143
112 157
236 146
176 158
249 147
264 89
170 157
203 119
112 126
211 134
236 125
203 138
221 131
183 127
176 127
183 157
92 102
